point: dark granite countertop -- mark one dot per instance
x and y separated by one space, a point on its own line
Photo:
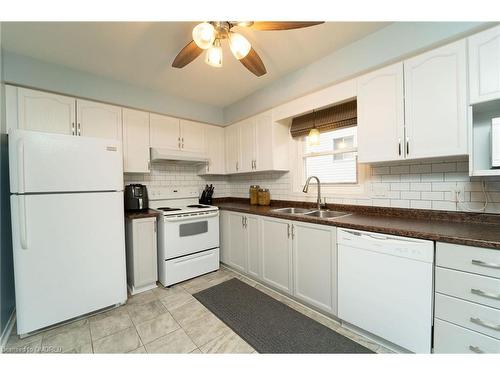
481 230
140 214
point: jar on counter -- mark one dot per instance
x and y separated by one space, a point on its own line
264 197
254 194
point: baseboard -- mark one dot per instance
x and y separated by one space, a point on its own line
7 331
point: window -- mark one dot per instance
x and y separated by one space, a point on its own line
334 160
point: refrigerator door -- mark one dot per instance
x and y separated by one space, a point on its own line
42 162
69 256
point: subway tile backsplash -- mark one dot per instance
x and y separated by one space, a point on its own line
425 185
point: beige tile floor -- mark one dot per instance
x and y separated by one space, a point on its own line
161 321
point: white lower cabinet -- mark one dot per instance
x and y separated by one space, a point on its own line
240 247
236 249
294 257
253 245
277 253
467 300
315 265
142 268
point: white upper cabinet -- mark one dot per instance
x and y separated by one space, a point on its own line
248 145
233 159
98 120
192 136
45 112
215 146
484 65
257 144
381 115
164 132
135 141
436 103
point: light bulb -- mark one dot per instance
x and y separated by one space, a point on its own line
213 55
239 45
204 35
313 137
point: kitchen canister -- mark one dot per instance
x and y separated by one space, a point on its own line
264 197
254 194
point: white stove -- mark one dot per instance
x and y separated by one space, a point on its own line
188 234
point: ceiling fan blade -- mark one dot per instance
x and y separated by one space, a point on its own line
253 62
190 52
285 25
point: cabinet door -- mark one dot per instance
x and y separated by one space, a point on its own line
276 253
237 251
45 112
247 145
253 247
484 65
381 115
98 120
192 136
135 141
315 265
435 103
224 236
164 132
232 136
214 136
264 136
144 249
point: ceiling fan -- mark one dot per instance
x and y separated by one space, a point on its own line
208 36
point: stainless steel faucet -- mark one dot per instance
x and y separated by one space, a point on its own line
306 188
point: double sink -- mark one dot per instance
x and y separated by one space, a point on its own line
322 214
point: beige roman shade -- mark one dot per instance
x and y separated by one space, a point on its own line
335 117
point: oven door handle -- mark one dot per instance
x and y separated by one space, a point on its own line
190 218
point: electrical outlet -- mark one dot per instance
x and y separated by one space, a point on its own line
458 193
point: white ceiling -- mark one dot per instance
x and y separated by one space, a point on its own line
142 53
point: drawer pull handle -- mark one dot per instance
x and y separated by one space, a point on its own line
475 349
485 264
479 292
479 322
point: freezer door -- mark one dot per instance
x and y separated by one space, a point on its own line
42 162
69 256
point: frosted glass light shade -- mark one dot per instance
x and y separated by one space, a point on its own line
240 46
213 55
204 35
313 137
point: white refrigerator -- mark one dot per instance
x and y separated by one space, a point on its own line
67 226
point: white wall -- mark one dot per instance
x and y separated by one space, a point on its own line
392 43
23 70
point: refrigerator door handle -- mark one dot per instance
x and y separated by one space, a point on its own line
20 166
23 227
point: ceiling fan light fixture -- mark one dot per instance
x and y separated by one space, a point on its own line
240 46
213 55
204 35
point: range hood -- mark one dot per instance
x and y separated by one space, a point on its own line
164 154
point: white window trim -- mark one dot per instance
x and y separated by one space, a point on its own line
328 190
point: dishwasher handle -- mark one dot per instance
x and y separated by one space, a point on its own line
379 237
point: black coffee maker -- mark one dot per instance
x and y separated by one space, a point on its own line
136 197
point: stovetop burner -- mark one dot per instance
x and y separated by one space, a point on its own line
166 209
197 206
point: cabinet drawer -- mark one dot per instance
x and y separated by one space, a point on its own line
450 338
475 288
184 268
468 258
469 315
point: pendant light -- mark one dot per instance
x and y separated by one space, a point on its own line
313 137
